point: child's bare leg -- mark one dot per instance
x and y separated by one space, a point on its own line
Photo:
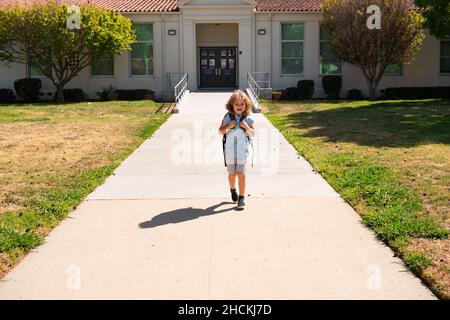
241 177
232 180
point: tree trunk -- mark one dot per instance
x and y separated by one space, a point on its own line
373 88
60 93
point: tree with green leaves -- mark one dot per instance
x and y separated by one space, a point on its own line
371 42
437 14
41 34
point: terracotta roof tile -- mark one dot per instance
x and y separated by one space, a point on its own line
172 5
137 5
296 5
116 5
288 5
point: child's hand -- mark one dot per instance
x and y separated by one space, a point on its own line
232 124
244 124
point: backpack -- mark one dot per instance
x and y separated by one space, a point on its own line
224 140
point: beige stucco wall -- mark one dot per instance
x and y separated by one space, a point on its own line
424 71
195 14
10 72
217 34
238 25
268 47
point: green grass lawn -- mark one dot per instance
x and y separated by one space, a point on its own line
53 156
391 161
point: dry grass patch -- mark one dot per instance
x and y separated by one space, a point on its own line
437 272
36 151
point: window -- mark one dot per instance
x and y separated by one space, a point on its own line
329 62
395 69
34 71
292 48
102 66
142 50
445 56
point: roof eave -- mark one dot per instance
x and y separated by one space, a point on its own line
289 11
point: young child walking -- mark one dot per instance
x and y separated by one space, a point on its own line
237 128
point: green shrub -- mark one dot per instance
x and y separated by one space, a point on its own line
417 93
355 94
305 89
73 95
7 96
28 89
332 85
134 94
103 94
289 93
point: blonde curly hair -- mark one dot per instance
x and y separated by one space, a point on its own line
239 95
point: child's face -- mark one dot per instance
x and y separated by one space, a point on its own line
239 107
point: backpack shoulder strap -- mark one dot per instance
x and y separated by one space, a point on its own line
224 139
232 116
243 118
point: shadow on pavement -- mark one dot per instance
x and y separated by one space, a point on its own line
185 214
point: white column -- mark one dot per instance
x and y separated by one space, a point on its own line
245 46
189 52
312 53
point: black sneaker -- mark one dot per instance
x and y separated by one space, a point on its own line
234 195
241 203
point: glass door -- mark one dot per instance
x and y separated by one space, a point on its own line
227 70
218 67
208 67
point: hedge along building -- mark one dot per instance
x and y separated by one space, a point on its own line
219 42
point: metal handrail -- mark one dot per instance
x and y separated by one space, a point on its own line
264 79
253 85
254 90
180 90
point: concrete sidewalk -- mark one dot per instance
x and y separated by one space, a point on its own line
162 227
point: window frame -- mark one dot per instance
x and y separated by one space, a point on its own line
401 74
113 75
28 71
292 41
443 73
320 57
130 66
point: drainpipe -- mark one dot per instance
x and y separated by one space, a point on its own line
163 60
270 39
180 40
253 40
